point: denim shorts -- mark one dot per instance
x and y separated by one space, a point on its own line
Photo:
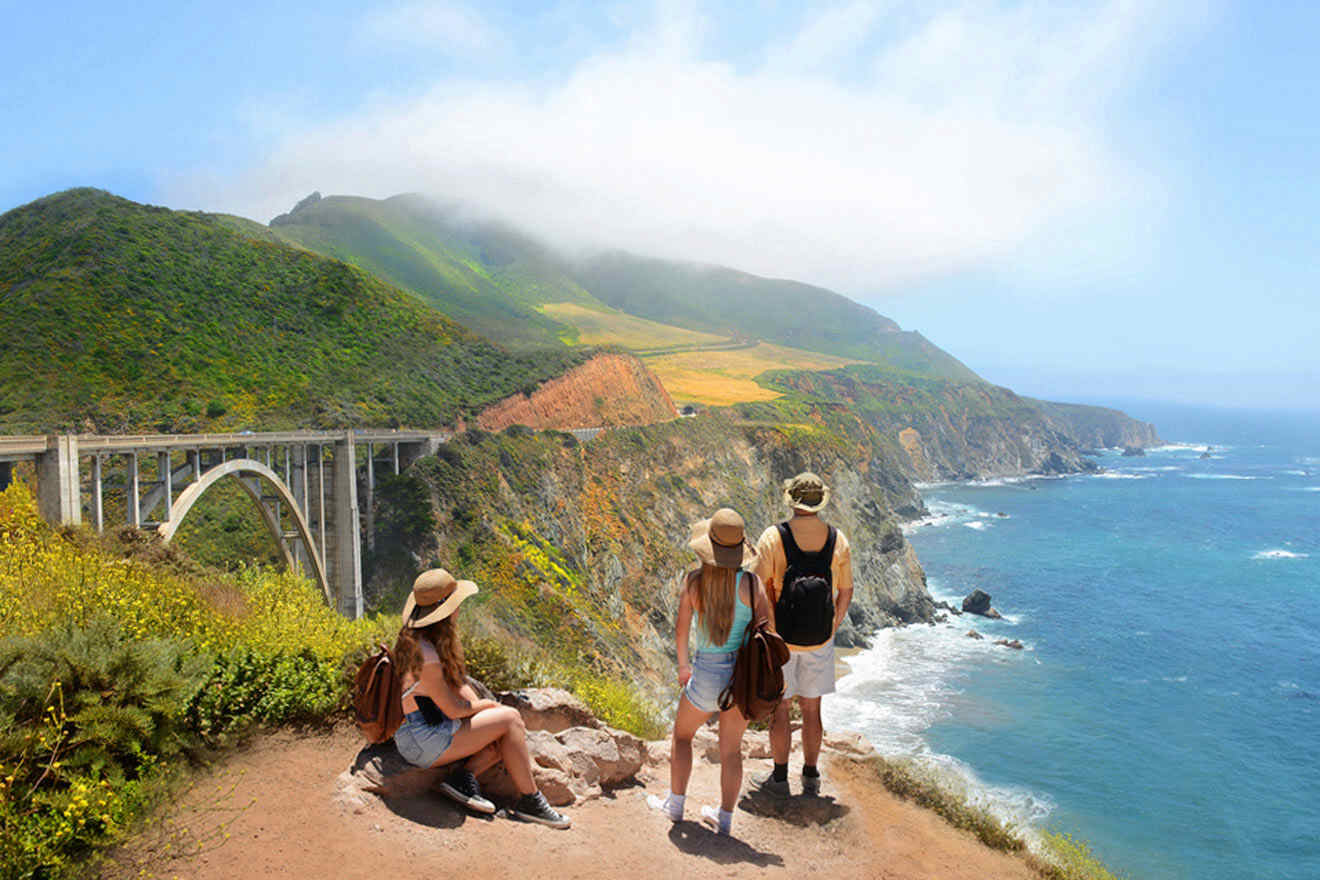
422 744
710 674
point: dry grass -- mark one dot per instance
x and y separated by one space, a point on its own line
722 378
609 327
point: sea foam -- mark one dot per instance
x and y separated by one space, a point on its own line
906 682
1279 554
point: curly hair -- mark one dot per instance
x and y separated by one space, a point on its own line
443 636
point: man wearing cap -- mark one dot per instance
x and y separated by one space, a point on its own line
806 567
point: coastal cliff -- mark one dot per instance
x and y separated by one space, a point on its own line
579 547
937 430
609 389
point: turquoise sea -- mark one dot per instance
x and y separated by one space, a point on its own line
1166 707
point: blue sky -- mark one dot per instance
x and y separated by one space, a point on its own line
1100 198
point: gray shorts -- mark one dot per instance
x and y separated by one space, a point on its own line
710 674
422 744
810 673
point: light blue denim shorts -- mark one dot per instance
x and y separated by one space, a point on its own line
422 744
710 674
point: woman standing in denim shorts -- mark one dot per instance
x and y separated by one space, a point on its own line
719 598
444 721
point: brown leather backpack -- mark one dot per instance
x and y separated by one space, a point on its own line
757 684
378 696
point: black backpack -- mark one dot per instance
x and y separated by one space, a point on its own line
804 609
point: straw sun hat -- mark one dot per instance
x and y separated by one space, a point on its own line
806 492
721 541
435 595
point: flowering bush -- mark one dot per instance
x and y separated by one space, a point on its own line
111 667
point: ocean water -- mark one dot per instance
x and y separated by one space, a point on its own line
1166 707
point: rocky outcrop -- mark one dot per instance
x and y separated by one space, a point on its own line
549 709
964 431
979 603
575 762
608 390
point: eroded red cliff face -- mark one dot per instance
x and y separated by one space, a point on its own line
608 390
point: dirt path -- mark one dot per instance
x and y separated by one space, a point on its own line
274 800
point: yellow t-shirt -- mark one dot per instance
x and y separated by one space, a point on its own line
772 563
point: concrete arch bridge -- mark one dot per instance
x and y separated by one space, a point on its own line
306 486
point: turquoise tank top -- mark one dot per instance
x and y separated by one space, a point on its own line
742 615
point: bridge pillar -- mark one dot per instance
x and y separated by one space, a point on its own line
58 493
346 581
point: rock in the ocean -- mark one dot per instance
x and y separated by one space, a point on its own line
1132 451
973 634
979 603
1009 643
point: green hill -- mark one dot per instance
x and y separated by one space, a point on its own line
725 301
482 275
119 316
491 278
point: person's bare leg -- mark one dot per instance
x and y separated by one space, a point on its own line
812 729
483 760
504 727
686 724
781 738
732 725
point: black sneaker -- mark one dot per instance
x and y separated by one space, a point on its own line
770 785
461 786
534 808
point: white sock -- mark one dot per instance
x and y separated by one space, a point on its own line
721 819
671 804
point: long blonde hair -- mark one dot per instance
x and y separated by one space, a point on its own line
714 594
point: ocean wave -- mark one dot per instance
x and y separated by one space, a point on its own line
945 513
1189 447
1279 554
906 682
1166 467
1296 473
1222 477
976 524
1120 475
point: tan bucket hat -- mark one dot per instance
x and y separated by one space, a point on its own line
435 595
721 541
806 492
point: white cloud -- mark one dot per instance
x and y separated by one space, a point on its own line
432 24
971 132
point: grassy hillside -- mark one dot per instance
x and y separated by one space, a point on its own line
724 301
483 276
506 285
119 316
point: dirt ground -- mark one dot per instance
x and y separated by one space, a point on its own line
269 811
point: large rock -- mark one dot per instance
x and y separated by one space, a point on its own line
979 603
570 761
549 709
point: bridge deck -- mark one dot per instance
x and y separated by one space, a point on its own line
26 447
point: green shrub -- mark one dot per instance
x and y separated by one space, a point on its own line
1068 858
87 716
910 782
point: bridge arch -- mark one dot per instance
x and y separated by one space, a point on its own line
246 471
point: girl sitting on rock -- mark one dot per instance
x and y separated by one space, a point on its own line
444 720
722 597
